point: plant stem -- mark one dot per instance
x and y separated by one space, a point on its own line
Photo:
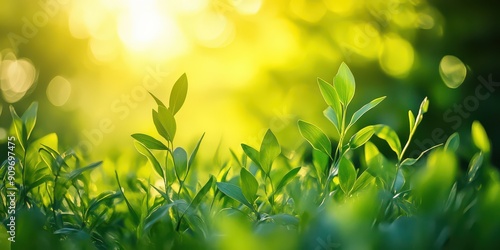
165 177
338 151
271 199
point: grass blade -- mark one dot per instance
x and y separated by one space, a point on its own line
195 151
135 217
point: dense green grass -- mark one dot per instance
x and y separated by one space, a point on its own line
343 194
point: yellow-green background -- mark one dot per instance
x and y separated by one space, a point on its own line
251 64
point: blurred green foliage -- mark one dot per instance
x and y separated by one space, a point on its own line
315 197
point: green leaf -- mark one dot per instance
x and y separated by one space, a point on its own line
163 194
315 137
372 155
361 137
201 194
150 142
411 161
77 172
411 119
67 230
49 160
159 126
249 185
160 103
269 150
358 114
480 137
178 94
474 166
222 176
344 84
234 192
144 213
364 180
59 158
328 93
436 181
331 98
334 117
399 181
180 162
451 197
53 159
387 133
195 151
39 181
452 143
252 153
285 219
168 122
241 163
286 179
159 213
424 106
102 198
197 224
29 118
320 162
379 167
145 151
18 126
347 175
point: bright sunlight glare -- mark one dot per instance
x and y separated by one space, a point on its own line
143 24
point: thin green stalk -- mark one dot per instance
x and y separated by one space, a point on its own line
338 151
129 206
407 143
24 195
54 198
271 198
400 157
165 177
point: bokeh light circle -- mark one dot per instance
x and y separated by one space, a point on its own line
58 91
397 56
16 77
452 71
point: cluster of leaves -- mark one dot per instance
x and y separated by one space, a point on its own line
395 203
344 196
188 208
52 192
379 170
